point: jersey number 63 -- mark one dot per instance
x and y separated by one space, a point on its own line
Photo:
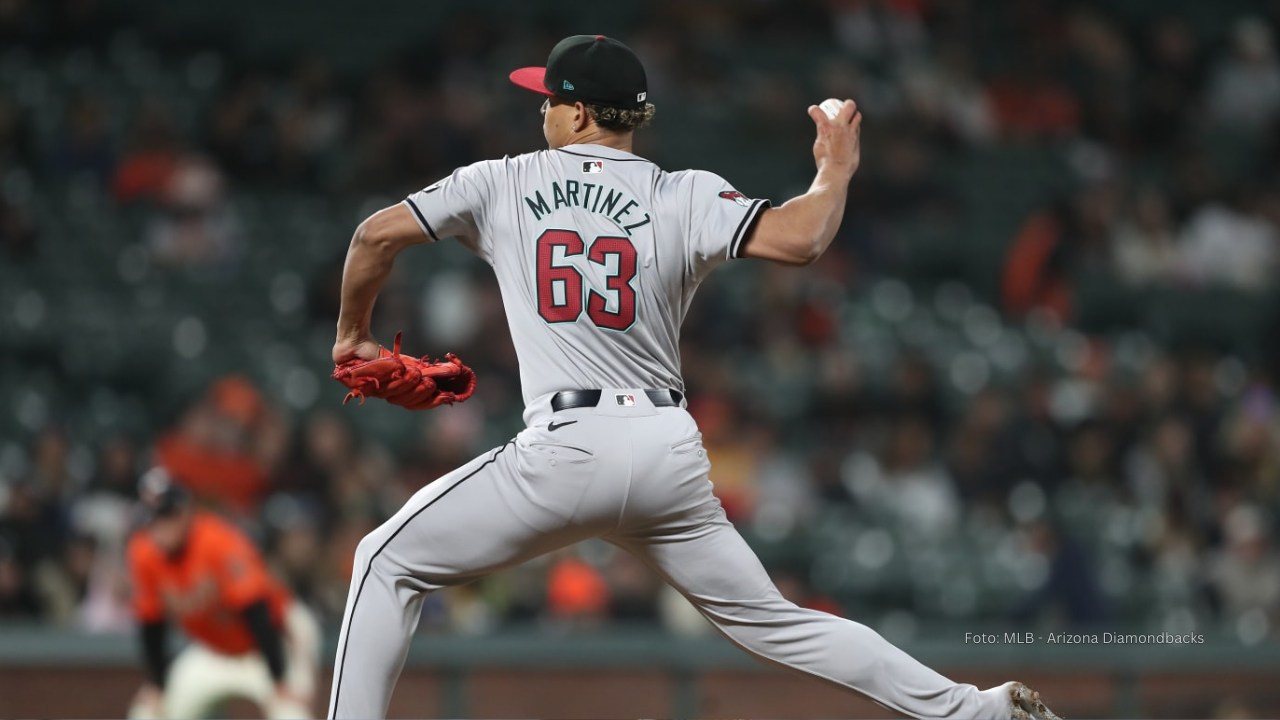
568 307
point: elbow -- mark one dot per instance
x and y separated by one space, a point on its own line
807 250
812 253
798 252
809 243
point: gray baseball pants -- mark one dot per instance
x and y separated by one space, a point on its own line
636 476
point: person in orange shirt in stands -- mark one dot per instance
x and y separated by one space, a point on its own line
224 446
249 637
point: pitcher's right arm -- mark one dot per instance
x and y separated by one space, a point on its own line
801 229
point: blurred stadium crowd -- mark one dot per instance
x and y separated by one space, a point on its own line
1033 380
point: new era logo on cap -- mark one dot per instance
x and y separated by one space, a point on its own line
568 85
592 167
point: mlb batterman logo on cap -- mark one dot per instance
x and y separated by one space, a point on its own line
592 69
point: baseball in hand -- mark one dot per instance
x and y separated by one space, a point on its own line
831 107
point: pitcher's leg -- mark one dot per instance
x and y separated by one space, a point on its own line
715 568
482 517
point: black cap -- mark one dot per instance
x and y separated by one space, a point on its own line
161 496
593 69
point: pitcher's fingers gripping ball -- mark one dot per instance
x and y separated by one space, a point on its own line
407 381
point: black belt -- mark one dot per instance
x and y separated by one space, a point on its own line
569 399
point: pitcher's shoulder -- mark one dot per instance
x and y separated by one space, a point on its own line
687 183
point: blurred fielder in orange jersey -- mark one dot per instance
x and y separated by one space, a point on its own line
249 637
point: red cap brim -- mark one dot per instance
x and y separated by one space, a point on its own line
531 78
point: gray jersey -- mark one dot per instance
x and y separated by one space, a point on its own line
597 252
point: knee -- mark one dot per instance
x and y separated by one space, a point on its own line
368 550
376 553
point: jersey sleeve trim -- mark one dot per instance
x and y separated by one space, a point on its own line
744 227
422 221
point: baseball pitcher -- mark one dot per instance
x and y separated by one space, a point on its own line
598 253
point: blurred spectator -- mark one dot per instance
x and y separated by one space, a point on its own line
84 150
333 569
18 146
446 443
225 446
734 459
979 456
1169 87
90 583
948 95
1036 438
1100 70
195 226
1055 245
117 469
52 490
1029 104
1069 595
1244 92
914 390
33 527
1164 465
1035 271
879 30
1246 572
1251 439
906 483
63 583
1231 243
17 233
577 594
325 451
469 612
1178 581
797 589
786 497
312 121
633 589
17 598
107 604
147 167
296 549
1146 242
244 135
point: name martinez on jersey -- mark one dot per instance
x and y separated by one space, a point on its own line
593 197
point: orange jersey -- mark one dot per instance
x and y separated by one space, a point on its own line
205 587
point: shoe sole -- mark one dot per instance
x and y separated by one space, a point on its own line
1027 704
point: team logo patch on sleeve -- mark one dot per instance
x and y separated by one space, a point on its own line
592 167
736 196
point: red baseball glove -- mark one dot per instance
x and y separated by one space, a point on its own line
407 381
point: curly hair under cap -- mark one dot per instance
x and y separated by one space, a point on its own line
621 119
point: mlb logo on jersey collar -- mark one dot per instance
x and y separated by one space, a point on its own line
592 167
626 400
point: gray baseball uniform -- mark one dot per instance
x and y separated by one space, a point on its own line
598 253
